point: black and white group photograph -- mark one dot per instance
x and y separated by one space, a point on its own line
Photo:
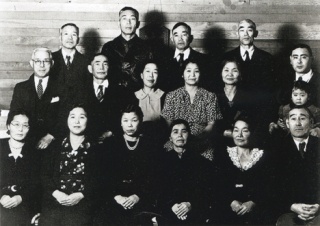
159 112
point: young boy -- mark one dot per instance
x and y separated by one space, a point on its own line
300 95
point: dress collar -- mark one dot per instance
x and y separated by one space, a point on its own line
256 155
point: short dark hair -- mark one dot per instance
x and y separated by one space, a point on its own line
95 55
250 22
302 85
293 106
231 60
13 113
180 121
136 13
133 108
182 24
302 46
70 24
245 117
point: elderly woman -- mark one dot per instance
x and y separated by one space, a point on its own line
18 166
245 178
182 180
127 173
68 175
197 106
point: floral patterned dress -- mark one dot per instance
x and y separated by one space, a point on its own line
203 110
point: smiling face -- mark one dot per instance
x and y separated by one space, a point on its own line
77 121
299 123
128 22
230 73
19 127
99 67
299 97
241 134
191 74
130 124
181 38
69 37
179 135
149 75
41 63
246 33
301 60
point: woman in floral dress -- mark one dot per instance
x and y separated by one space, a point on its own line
68 175
197 106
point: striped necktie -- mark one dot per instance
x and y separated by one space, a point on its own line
40 89
100 93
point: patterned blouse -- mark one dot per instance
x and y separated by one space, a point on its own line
72 167
204 109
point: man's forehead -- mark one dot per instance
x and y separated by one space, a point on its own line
41 54
298 112
245 24
300 51
181 28
100 58
127 13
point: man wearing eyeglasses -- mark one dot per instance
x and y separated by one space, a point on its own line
39 97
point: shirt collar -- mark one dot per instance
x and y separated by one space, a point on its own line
186 54
243 52
305 77
64 54
298 142
44 82
105 84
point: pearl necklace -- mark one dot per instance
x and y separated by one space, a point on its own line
134 147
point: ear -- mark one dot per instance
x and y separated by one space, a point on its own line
291 59
31 63
256 33
141 75
52 63
190 38
138 24
287 122
78 40
90 68
170 139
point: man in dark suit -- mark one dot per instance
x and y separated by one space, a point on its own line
70 72
39 97
127 52
257 65
301 59
300 169
105 99
172 78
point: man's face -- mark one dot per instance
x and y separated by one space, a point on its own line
301 60
181 38
299 123
69 37
99 67
246 33
128 22
41 63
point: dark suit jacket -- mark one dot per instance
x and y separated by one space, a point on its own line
43 112
126 65
258 73
171 77
105 115
300 176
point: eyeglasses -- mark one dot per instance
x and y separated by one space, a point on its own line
40 62
18 125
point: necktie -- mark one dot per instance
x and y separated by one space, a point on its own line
301 148
247 56
68 62
300 78
40 89
181 59
100 93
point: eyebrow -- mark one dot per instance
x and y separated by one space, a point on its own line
305 115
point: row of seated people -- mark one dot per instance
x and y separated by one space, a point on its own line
128 180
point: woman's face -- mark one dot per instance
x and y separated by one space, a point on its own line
149 75
191 74
230 73
241 134
179 135
77 121
130 124
19 127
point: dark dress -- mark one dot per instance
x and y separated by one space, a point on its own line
19 177
251 182
69 171
126 172
183 179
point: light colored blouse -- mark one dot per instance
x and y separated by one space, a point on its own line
150 104
255 157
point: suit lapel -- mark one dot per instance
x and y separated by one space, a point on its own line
32 92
